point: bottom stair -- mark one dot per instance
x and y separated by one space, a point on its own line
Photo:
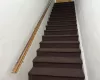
56 74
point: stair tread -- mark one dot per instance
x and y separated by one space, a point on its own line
59 26
60 35
58 59
57 72
60 42
60 49
62 25
61 30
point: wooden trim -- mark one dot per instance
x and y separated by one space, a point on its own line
27 47
57 1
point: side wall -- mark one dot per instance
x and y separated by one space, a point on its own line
18 19
88 18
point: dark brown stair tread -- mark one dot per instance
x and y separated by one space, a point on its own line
61 26
62 21
60 72
58 59
61 30
60 49
60 42
61 35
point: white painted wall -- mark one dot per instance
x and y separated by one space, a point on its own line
88 17
17 21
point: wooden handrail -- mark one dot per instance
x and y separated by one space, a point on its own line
27 47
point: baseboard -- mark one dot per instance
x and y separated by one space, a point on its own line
82 49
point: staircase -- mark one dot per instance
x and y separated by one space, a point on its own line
58 57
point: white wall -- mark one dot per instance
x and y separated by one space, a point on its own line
88 16
17 21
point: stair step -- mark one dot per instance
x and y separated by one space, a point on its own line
54 52
52 78
67 17
58 62
63 10
64 26
57 72
58 59
64 13
61 32
56 6
60 38
61 23
55 19
65 3
67 14
60 27
59 9
59 44
60 49
61 15
59 52
61 19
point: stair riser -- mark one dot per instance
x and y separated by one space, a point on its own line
60 38
72 7
58 10
63 6
62 23
57 65
63 13
67 24
64 20
62 16
63 10
58 54
52 78
69 3
61 19
66 17
60 13
67 32
59 28
59 45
